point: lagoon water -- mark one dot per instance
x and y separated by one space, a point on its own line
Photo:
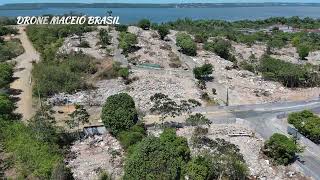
131 15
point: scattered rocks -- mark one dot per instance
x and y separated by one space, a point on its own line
96 154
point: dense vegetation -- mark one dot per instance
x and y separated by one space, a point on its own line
54 73
224 162
186 43
307 124
6 73
158 158
7 30
10 49
281 149
66 75
48 38
290 75
34 149
236 31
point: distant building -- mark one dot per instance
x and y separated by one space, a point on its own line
312 30
281 27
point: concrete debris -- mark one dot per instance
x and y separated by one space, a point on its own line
95 155
153 50
249 146
71 44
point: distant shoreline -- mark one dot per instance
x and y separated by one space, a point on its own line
31 6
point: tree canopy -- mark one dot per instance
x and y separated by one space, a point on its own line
307 124
158 157
281 149
119 113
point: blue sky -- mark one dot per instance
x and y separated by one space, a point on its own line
152 1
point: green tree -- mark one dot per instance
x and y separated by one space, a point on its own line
158 158
281 149
6 73
307 124
6 106
226 162
119 113
144 24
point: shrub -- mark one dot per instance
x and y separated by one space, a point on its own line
64 76
163 31
127 42
158 158
221 47
201 37
6 106
303 51
121 28
6 73
124 73
203 72
307 124
10 49
104 176
134 135
186 43
119 113
33 157
290 75
225 158
281 149
7 31
197 119
104 37
247 66
84 44
144 24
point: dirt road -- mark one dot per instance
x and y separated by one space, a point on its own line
23 80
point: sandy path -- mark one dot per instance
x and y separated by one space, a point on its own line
23 78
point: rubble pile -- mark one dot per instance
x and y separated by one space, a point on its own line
246 87
95 155
250 146
176 85
71 44
244 52
152 50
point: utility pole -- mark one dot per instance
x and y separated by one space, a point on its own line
227 102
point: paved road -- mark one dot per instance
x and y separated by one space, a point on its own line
266 119
23 80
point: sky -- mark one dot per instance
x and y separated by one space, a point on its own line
152 1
